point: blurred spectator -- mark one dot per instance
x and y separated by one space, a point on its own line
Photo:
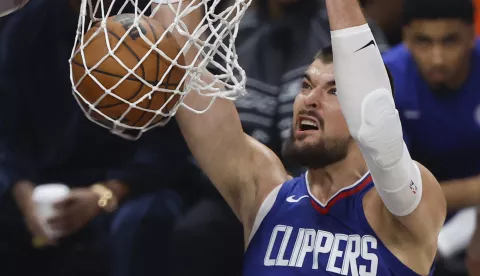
435 74
277 41
44 138
210 237
388 15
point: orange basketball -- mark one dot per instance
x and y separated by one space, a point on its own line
110 72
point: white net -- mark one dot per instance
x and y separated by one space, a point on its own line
134 78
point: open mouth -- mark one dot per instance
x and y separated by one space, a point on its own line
307 124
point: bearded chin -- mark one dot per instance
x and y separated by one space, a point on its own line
320 154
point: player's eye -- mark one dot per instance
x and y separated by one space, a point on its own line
451 40
333 91
306 86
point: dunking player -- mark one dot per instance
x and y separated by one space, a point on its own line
363 208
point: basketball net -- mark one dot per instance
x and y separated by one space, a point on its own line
213 40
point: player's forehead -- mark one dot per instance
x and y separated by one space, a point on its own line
320 72
437 28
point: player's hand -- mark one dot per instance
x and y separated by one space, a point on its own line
76 211
166 16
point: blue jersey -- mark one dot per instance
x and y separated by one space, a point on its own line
294 234
442 132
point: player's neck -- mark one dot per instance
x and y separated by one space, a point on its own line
326 182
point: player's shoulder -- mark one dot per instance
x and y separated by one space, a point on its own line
476 50
275 199
477 45
295 186
295 183
401 65
291 186
397 56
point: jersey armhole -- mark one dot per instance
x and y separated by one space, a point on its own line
264 210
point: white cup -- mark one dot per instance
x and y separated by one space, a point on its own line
45 196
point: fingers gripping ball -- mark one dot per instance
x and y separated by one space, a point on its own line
138 99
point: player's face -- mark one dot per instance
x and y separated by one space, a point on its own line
319 135
441 49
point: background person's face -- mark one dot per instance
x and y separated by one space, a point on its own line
441 48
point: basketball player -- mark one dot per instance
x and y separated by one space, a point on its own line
363 208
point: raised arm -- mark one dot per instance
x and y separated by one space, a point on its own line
411 194
242 169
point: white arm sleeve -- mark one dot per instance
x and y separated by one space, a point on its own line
365 96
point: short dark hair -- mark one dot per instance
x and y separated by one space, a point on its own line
326 56
439 9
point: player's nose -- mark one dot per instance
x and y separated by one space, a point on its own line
314 98
437 56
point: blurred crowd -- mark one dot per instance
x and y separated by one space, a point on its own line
162 215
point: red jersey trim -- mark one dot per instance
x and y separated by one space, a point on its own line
346 192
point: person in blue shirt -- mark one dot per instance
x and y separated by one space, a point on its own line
45 138
437 88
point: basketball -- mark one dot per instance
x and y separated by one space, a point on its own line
133 52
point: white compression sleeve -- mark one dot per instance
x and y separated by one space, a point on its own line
365 96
